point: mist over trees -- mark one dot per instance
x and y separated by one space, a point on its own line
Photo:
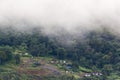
85 32
98 49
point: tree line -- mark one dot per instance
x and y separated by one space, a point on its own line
99 50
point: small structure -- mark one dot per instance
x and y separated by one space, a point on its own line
87 75
92 74
64 62
66 72
36 64
69 66
52 62
26 54
97 74
61 61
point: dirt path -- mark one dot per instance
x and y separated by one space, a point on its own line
52 68
43 69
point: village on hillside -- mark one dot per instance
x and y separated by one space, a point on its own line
50 66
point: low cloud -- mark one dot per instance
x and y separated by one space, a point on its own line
56 17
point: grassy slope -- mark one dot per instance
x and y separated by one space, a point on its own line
25 69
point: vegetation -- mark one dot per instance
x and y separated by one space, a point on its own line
100 51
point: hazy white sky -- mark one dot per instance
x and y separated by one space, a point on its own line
72 15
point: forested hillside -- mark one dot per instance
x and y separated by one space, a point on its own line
98 51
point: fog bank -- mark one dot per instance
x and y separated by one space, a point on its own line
57 17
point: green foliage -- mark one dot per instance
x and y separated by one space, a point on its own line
17 58
60 78
99 50
12 75
5 54
61 53
84 69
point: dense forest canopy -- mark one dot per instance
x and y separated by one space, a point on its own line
97 51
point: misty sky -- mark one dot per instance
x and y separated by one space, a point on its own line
71 15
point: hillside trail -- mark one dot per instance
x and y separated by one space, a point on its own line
44 68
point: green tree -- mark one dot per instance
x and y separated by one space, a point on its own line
3 57
17 58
